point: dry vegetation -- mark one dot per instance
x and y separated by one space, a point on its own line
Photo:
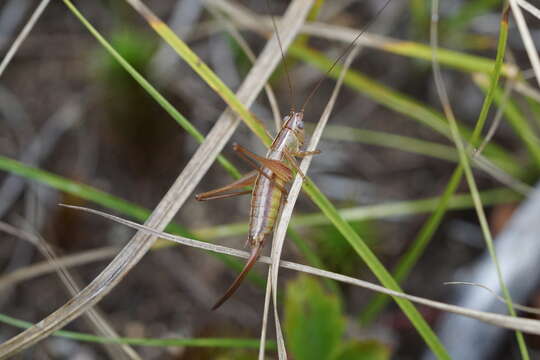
101 140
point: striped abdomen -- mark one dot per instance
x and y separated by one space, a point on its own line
265 206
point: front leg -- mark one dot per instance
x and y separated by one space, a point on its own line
290 158
300 153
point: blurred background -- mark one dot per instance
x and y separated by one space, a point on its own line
68 108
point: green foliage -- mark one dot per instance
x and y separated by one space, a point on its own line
315 326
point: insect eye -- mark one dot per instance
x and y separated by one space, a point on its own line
301 124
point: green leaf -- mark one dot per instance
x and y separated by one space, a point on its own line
365 350
313 323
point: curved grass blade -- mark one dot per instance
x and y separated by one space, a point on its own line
23 34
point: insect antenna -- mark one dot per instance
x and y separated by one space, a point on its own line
289 82
344 53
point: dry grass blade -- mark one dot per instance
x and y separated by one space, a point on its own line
137 247
23 34
98 321
264 325
509 322
46 267
529 7
526 37
527 309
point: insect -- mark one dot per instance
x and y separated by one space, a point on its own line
269 183
270 178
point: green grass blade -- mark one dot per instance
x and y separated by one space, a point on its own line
455 59
495 75
193 342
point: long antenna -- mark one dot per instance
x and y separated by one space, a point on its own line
347 50
282 54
